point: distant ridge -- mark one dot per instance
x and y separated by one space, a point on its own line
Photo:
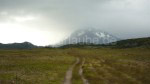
24 45
136 42
128 43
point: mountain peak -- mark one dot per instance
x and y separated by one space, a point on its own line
90 35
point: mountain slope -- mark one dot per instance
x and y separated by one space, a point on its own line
138 42
90 35
128 43
25 45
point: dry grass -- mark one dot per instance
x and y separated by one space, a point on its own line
117 66
102 66
40 66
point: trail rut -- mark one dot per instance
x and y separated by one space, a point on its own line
68 76
85 81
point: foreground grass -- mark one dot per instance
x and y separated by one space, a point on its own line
101 66
76 77
117 66
40 66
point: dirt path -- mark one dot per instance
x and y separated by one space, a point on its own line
85 81
68 76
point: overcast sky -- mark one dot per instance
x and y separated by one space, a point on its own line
44 22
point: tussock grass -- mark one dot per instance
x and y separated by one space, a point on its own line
49 66
39 66
118 66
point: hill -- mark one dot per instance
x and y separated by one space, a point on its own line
138 42
24 45
128 43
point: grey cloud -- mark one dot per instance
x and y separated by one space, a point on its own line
124 18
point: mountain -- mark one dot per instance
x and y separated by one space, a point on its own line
91 35
137 42
24 45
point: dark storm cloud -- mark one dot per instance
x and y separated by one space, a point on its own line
124 18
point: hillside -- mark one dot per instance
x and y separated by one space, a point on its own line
24 45
129 43
138 42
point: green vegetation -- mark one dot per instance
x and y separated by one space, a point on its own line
24 45
130 43
101 66
76 77
39 66
117 66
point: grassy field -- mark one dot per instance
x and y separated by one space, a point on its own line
39 66
100 66
117 66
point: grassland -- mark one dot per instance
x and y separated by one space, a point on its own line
39 66
117 66
100 66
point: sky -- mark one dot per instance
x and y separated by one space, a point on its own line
47 22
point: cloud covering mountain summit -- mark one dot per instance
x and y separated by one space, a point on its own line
90 35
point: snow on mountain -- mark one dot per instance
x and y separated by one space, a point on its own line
101 35
90 35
